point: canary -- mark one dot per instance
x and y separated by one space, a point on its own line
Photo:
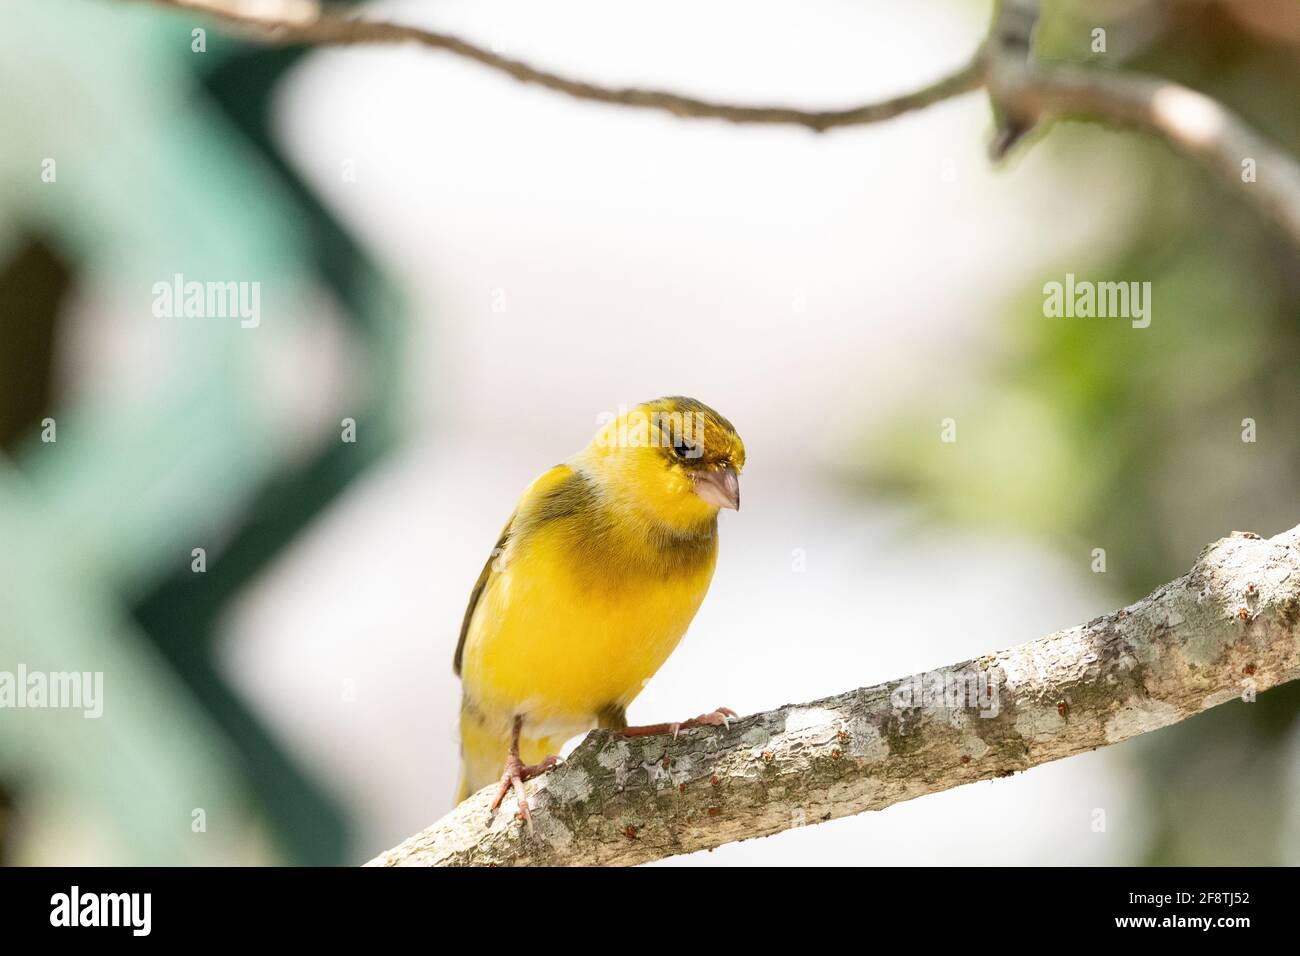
591 585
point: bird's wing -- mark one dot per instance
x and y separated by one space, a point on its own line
484 576
539 487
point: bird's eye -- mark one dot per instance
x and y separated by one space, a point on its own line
682 450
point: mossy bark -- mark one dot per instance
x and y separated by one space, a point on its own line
1228 629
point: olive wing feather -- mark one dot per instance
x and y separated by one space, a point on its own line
537 492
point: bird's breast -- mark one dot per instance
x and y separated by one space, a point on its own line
573 623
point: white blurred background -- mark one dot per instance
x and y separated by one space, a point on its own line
562 258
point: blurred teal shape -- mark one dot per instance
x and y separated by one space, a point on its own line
163 170
136 774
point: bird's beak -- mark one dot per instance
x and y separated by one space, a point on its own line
719 488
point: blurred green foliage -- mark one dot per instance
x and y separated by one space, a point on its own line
1090 433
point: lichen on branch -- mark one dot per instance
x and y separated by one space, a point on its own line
1226 630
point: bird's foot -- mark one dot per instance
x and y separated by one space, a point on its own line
514 775
714 718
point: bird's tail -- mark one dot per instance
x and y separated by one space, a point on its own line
482 754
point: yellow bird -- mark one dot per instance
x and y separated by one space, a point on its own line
593 582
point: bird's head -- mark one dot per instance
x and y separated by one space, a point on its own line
675 458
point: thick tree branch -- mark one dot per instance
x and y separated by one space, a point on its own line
1225 630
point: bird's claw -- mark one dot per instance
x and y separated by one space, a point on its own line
513 777
714 718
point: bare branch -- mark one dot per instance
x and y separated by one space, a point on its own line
296 22
1190 122
1227 629
1011 43
1023 92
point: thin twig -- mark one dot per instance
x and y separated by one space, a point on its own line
331 29
1024 92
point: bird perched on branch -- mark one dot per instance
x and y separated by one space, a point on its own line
593 582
